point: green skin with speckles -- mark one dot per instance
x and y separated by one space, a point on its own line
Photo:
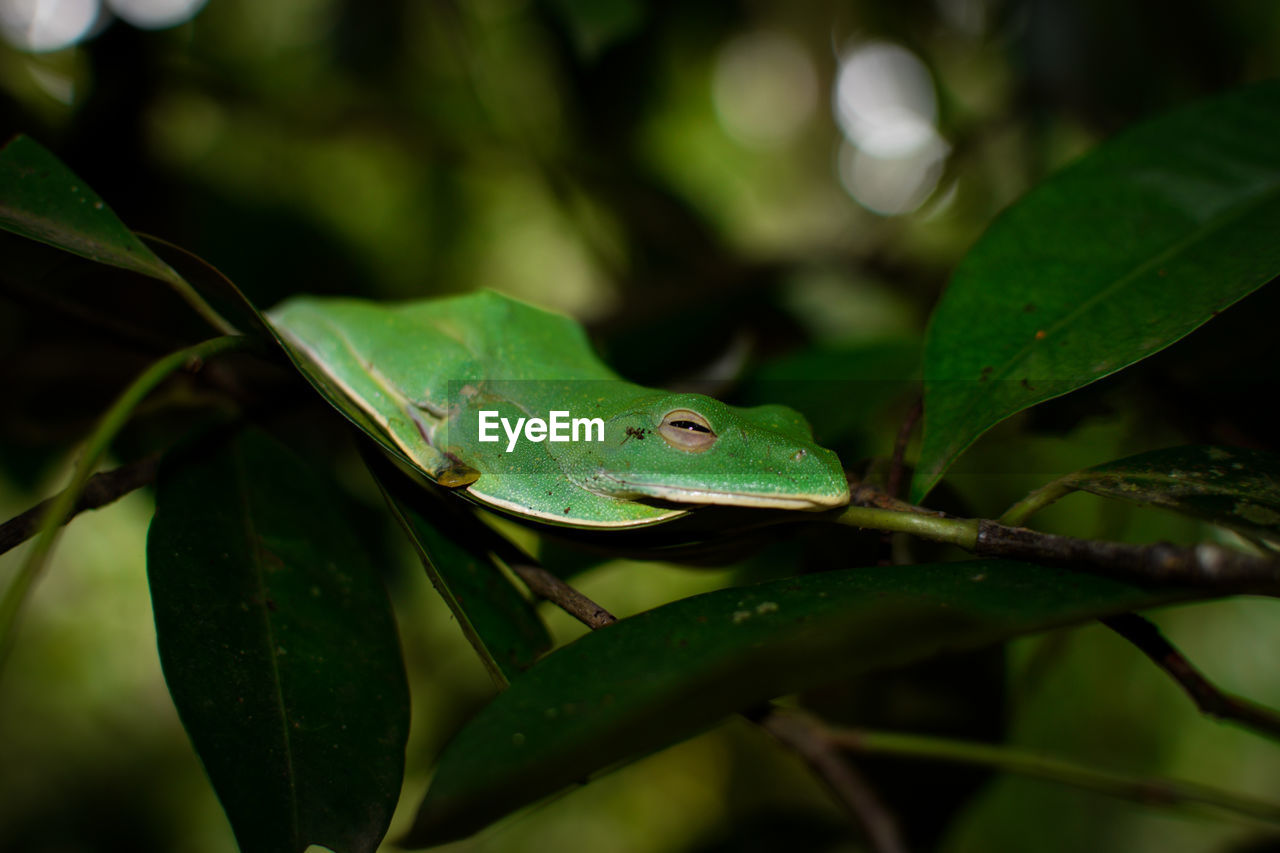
421 372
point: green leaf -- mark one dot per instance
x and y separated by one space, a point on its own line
658 677
1231 486
279 648
1111 260
502 625
43 200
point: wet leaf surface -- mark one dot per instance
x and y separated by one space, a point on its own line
279 648
1111 260
658 677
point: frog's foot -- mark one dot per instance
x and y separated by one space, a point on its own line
445 469
412 435
456 475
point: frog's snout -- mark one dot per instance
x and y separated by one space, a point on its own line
821 470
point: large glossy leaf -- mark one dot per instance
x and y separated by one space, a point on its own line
501 624
279 648
1111 260
1232 486
41 199
655 678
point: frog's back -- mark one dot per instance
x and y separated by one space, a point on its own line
419 347
509 339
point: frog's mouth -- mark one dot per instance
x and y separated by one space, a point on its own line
616 488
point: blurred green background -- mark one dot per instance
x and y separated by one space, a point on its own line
764 193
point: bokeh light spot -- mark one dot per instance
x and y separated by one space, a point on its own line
764 88
155 14
884 102
59 86
46 25
884 99
892 186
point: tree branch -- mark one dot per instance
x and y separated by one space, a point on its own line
101 489
545 585
1205 566
1209 566
1207 697
893 484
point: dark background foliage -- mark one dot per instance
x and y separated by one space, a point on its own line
676 175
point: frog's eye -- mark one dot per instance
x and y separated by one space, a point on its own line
687 430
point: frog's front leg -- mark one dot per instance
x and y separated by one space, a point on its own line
415 436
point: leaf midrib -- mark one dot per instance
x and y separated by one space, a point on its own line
259 574
1211 226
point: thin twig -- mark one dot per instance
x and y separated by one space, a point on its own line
1018 514
544 584
893 483
937 528
101 489
896 548
1149 790
115 418
1208 698
866 495
803 736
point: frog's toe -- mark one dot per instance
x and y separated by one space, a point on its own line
457 475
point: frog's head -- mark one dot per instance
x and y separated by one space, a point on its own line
694 449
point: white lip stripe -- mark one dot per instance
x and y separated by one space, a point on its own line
677 495
568 521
